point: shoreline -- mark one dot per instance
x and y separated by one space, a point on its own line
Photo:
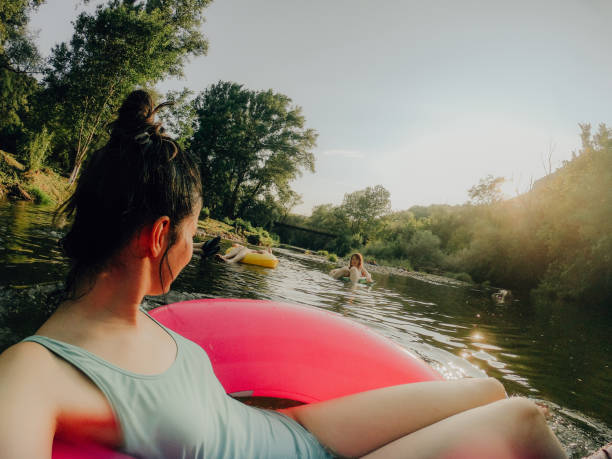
392 270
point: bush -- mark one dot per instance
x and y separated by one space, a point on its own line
228 221
392 250
253 238
424 249
323 252
36 149
40 197
345 243
332 257
204 213
244 226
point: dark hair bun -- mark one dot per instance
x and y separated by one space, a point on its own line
137 108
137 115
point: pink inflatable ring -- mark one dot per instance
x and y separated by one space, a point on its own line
267 349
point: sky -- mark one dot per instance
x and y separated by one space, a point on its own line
422 97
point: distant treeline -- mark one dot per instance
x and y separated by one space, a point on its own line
555 239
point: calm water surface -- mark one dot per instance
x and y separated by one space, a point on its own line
558 355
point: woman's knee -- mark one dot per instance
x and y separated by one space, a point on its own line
493 388
523 412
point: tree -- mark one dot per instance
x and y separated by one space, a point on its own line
488 191
19 60
179 118
363 208
123 45
251 144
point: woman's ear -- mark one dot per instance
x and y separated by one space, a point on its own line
159 232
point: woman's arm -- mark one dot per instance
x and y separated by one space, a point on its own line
28 411
366 274
339 272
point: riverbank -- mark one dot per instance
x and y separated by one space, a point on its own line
17 183
209 228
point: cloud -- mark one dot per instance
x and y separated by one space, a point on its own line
344 153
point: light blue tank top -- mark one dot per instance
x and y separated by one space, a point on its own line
185 412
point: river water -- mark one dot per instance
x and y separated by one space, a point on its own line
559 355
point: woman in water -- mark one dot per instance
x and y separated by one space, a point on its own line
354 271
102 370
238 252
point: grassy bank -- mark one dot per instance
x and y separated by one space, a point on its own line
233 231
17 183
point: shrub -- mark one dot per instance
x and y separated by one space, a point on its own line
40 197
332 257
345 243
228 221
204 213
424 249
36 149
323 252
253 238
244 226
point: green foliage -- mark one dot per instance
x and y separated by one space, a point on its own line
243 226
228 221
251 144
36 149
323 252
124 44
363 209
421 248
8 175
40 197
254 239
204 213
180 119
353 222
332 257
345 243
19 59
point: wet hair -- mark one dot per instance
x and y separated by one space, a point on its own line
359 256
140 175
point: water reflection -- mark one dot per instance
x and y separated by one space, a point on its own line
560 355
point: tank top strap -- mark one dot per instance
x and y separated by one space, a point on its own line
146 313
104 375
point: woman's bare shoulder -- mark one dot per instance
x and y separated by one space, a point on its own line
26 405
26 362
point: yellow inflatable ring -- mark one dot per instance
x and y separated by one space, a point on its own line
267 260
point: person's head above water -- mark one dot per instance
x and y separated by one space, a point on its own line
356 260
138 177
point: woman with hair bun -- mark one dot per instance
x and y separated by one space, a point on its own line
102 370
